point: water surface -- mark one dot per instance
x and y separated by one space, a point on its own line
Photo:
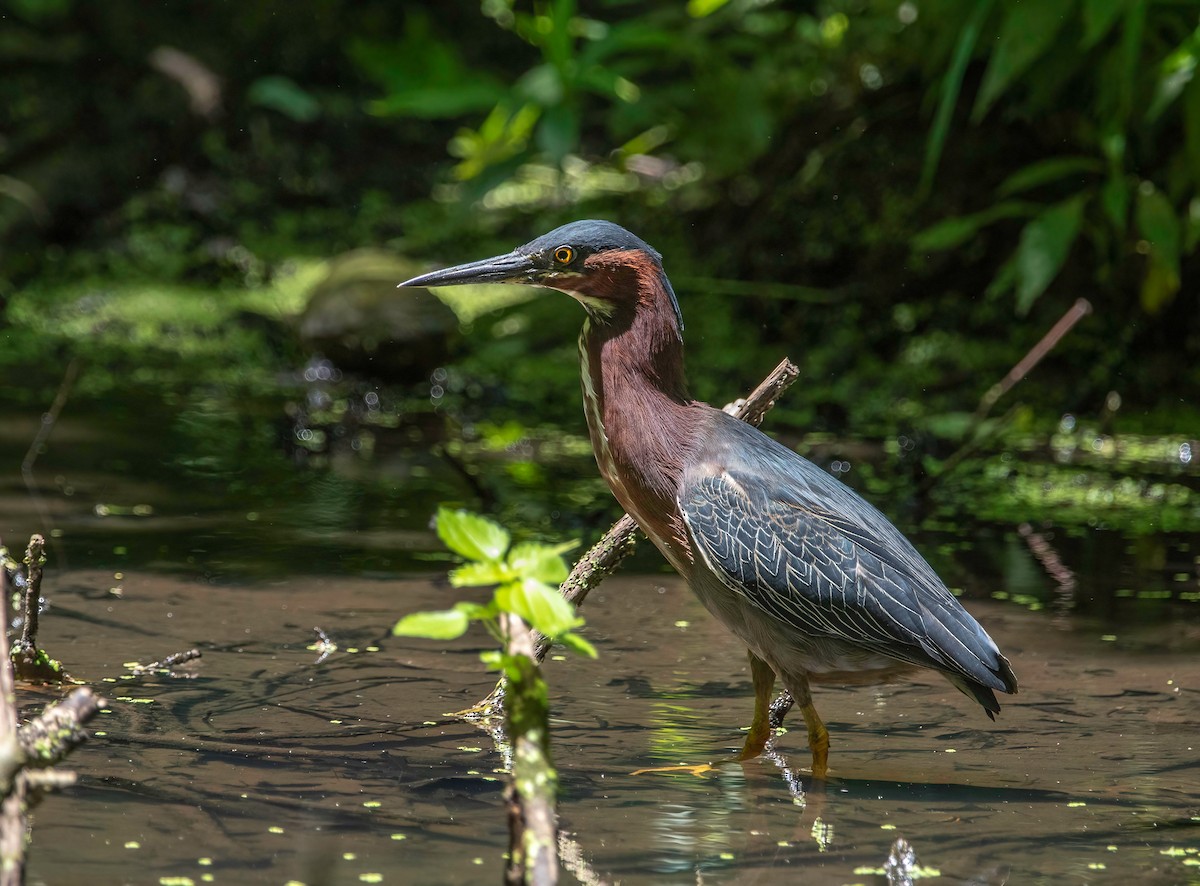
263 764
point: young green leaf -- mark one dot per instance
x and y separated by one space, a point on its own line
478 575
533 560
476 611
539 604
493 658
577 644
448 624
470 535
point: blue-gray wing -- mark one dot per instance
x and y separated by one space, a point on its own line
804 548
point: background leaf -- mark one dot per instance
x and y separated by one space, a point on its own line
1159 226
955 231
1045 243
282 94
1049 170
1028 31
479 574
1098 18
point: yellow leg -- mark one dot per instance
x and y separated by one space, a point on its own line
818 739
760 729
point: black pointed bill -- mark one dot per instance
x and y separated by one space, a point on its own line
511 268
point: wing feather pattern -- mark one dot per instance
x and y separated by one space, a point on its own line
805 549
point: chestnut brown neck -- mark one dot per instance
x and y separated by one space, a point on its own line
641 419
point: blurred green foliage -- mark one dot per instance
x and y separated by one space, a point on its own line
903 196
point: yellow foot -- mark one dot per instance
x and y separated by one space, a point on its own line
697 770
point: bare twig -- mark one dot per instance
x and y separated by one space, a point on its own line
35 559
28 661
49 419
1025 365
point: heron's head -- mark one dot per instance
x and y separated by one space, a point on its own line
608 270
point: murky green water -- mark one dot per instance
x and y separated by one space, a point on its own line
261 764
265 763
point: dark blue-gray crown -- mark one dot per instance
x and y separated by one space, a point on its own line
590 235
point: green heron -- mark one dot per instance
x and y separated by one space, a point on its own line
817 583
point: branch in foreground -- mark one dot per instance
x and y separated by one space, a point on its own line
26 752
531 792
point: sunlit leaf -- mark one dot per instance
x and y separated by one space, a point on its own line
532 560
479 574
448 624
475 611
472 536
541 84
493 658
1045 171
1045 243
578 644
701 8
1176 72
539 604
1028 31
953 232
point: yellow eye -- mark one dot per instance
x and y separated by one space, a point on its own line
564 255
